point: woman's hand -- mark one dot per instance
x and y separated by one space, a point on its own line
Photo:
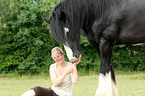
78 61
69 70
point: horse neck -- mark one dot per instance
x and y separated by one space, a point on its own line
96 9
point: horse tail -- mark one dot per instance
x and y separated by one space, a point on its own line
46 19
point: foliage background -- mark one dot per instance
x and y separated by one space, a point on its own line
26 42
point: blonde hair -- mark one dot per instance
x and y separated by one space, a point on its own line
56 50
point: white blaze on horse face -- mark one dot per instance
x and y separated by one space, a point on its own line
68 49
66 30
106 86
69 52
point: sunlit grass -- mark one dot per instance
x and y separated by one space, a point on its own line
128 84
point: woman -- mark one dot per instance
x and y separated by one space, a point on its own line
63 75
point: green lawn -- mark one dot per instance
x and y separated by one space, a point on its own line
128 85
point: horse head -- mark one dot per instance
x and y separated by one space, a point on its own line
64 32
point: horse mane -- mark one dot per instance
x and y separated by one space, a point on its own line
75 14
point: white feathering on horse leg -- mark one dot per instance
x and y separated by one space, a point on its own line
106 86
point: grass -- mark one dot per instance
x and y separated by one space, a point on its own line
129 84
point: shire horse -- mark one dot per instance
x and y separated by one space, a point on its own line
106 23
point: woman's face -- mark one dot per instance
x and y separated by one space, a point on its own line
58 58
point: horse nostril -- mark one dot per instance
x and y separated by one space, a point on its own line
77 56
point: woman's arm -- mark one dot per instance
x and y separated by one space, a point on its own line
74 75
55 79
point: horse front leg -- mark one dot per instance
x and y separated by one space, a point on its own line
107 85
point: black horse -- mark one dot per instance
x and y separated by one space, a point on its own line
106 23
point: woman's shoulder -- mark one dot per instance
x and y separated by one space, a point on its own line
53 65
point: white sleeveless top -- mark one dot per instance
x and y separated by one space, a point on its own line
66 87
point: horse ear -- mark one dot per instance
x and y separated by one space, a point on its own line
46 20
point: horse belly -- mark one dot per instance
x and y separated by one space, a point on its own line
133 28
132 36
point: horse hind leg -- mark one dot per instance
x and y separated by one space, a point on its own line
107 86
